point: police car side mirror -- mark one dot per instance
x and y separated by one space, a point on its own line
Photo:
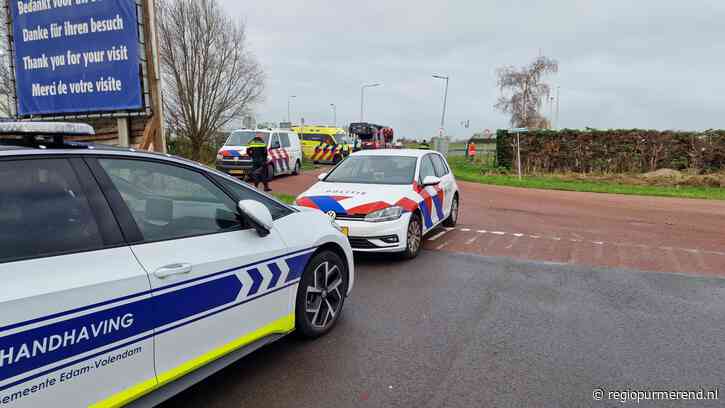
322 177
431 181
258 215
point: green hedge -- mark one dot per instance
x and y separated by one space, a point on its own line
613 151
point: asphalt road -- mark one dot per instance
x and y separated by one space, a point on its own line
454 330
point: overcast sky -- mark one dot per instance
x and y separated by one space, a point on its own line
623 63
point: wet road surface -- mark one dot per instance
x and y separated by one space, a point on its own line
455 330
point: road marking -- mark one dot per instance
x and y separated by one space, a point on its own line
472 240
445 244
438 235
598 243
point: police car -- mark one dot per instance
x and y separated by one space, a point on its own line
128 276
283 149
387 200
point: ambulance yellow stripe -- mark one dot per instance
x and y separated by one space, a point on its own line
281 326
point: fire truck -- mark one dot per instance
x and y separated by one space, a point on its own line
369 136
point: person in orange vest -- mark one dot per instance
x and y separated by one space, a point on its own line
471 153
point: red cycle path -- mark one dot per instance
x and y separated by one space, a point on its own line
606 230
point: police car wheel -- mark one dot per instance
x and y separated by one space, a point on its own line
452 219
298 168
321 295
414 241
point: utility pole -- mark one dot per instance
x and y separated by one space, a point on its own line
558 95
445 101
362 99
289 108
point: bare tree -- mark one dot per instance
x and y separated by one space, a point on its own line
210 77
6 90
522 92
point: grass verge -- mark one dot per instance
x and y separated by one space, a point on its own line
285 198
467 171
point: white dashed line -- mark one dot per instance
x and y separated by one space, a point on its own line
572 240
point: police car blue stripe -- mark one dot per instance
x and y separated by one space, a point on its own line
124 345
257 279
327 204
276 274
438 203
427 216
143 293
39 347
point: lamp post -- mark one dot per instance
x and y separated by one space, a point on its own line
362 98
334 113
289 108
445 101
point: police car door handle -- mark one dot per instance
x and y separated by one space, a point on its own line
173 270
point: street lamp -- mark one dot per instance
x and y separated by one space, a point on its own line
362 98
289 108
334 113
445 101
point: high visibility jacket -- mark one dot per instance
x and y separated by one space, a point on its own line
258 153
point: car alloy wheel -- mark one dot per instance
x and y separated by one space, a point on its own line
452 220
324 296
414 239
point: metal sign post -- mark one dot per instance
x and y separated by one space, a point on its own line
518 132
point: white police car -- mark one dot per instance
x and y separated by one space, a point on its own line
387 200
129 276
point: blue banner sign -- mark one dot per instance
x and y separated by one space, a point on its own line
76 56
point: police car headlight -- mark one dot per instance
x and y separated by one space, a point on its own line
219 156
388 214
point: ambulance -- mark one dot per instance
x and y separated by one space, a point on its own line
324 144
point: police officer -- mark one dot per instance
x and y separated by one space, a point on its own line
257 149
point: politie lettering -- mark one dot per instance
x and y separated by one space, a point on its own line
48 344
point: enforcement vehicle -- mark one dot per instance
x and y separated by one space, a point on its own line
388 200
129 276
283 149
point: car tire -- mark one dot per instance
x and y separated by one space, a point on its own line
271 173
452 219
321 295
414 237
298 169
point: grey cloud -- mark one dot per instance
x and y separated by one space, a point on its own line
646 63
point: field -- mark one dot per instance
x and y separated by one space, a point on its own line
704 186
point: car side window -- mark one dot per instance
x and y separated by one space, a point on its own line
426 168
171 202
44 211
284 138
440 165
240 192
274 143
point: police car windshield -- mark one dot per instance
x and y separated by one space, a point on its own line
243 137
398 170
